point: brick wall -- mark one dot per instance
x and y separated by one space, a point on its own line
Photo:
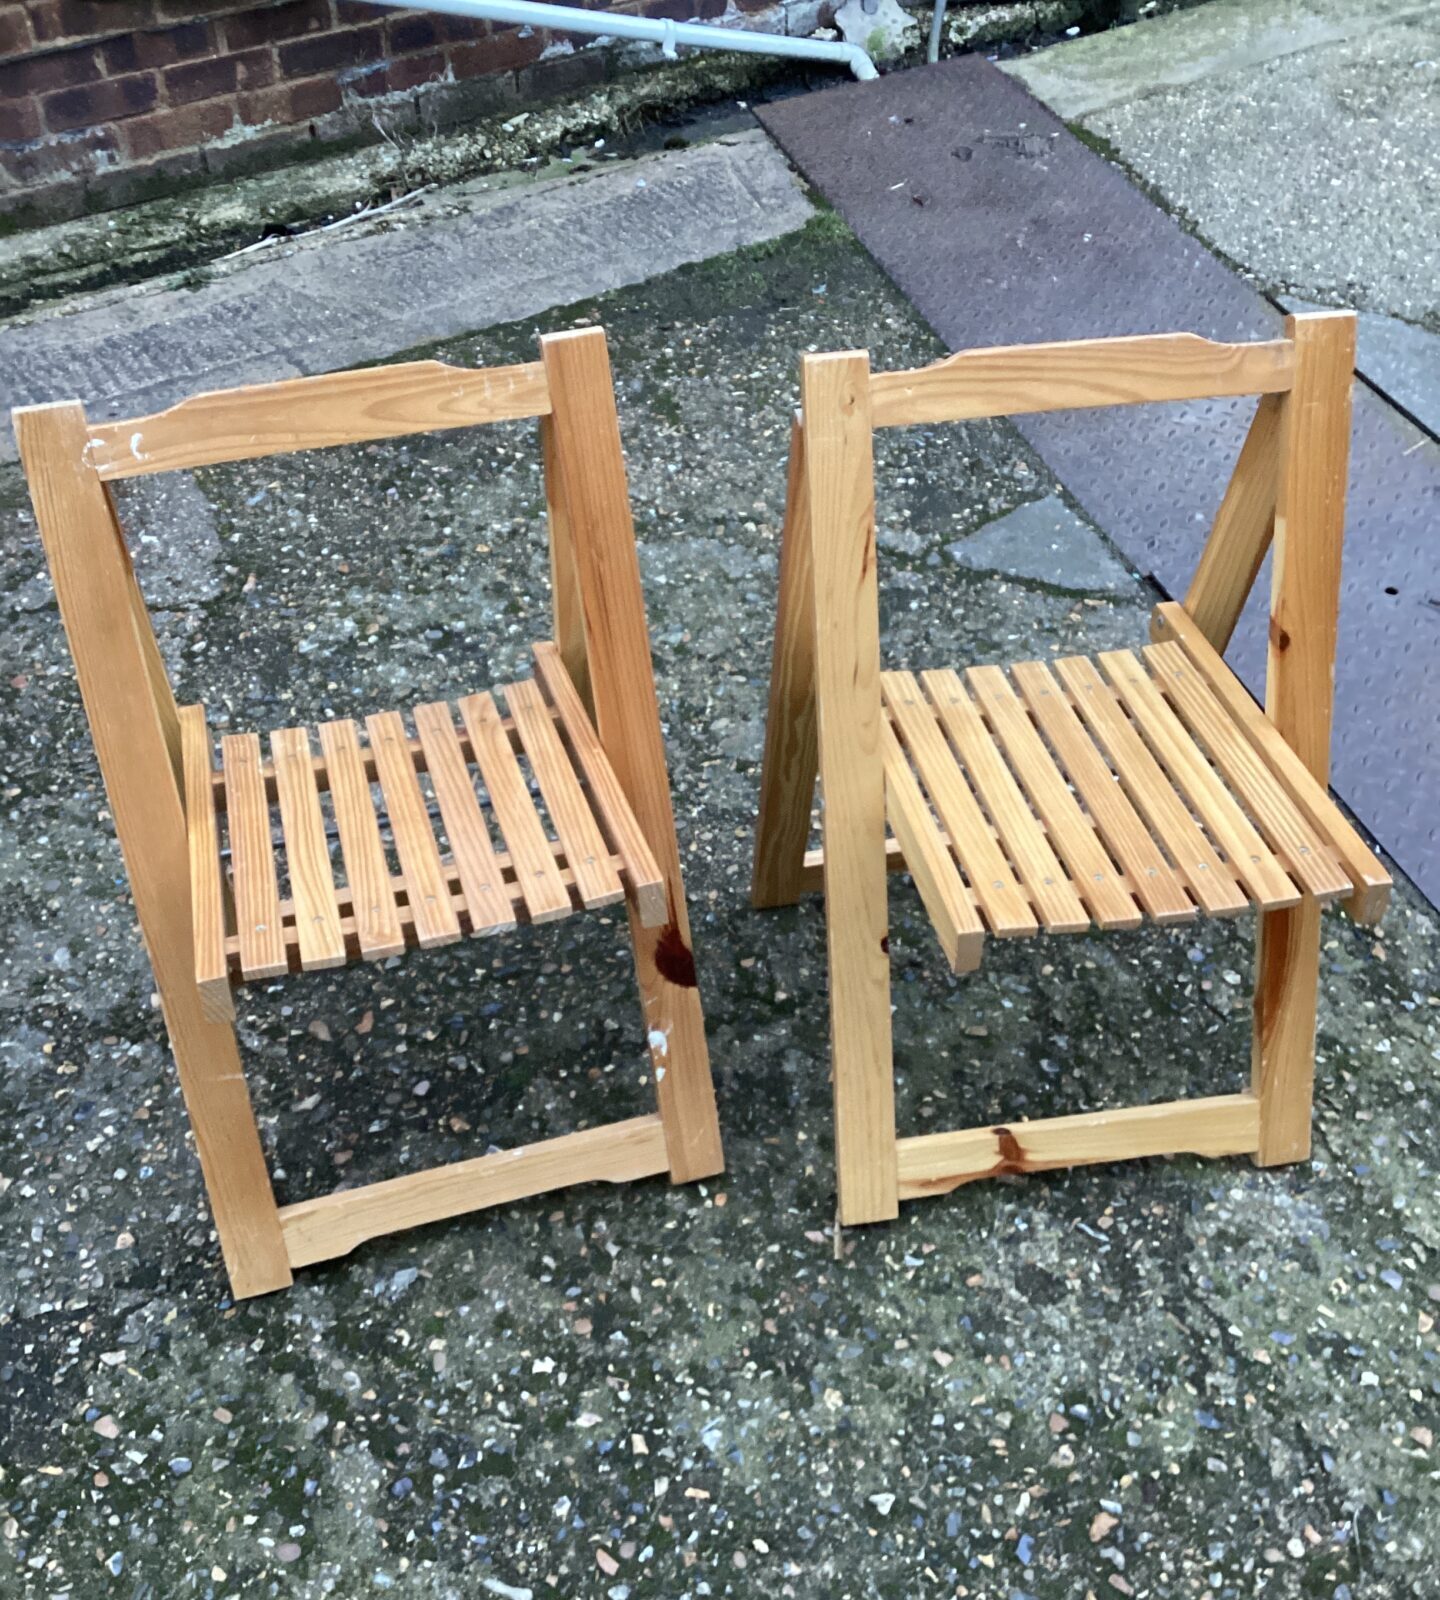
104 101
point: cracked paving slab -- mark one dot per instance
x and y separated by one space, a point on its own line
1189 1377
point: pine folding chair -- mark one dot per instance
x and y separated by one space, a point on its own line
1056 796
209 850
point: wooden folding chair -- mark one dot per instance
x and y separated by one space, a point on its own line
603 784
1059 795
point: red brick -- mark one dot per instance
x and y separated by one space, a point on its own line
160 48
200 80
178 127
366 83
20 120
460 30
88 19
502 51
409 72
291 102
15 36
412 31
271 24
94 103
328 52
255 69
55 69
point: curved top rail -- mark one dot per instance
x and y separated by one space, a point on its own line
308 413
1006 380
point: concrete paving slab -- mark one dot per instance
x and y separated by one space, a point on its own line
335 300
1297 138
1079 77
1045 541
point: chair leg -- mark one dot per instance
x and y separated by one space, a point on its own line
792 760
866 1155
207 1056
1283 1051
679 1055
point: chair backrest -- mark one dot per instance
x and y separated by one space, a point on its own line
599 618
1288 488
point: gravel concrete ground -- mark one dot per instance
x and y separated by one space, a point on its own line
1170 1378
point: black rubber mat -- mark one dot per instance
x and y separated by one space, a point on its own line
1002 227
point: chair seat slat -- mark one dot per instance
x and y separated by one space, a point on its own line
612 808
207 883
1280 820
252 855
1148 873
1246 852
377 925
991 876
1150 790
585 850
1050 890
426 888
312 883
546 896
481 879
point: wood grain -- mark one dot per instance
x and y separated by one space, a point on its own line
307 852
207 884
928 860
591 468
377 924
1008 380
487 899
252 860
1370 881
1219 1125
1147 873
1146 785
546 896
1299 700
1023 837
426 888
620 1152
840 491
310 413
586 852
791 762
644 880
1241 533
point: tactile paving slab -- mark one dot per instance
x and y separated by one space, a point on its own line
1003 228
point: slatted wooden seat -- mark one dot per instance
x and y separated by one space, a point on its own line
291 854
253 856
1056 797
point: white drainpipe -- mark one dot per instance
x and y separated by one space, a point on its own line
661 31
